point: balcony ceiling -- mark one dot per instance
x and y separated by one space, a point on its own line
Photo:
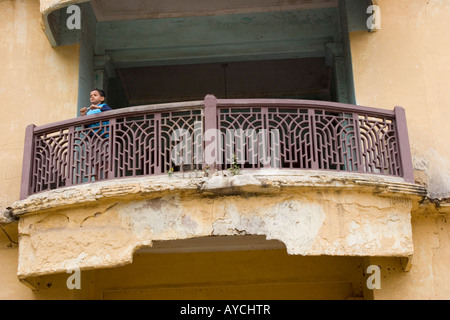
217 38
109 10
148 42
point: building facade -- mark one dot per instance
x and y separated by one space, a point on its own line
290 150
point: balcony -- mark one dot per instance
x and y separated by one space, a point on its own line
216 135
322 178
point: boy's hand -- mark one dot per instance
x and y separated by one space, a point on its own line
83 111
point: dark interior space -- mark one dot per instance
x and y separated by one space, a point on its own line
308 78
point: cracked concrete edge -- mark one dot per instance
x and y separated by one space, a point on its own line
221 184
428 206
6 216
126 259
31 280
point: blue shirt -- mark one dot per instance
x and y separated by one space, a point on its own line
104 107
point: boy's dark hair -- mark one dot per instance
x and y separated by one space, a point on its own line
102 93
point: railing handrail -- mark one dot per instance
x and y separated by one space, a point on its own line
310 104
185 105
393 157
134 111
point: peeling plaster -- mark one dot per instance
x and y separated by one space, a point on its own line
96 230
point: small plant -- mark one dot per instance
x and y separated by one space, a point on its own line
206 171
235 169
170 171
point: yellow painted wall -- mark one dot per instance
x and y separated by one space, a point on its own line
38 84
429 277
407 63
10 287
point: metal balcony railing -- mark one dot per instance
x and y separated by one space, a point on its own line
216 134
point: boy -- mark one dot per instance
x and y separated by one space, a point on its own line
97 98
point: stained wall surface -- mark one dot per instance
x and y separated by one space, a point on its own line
38 84
407 63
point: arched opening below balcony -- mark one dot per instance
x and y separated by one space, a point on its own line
216 268
261 274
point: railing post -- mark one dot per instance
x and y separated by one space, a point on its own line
27 165
210 116
403 142
157 155
70 156
112 151
313 144
266 143
359 155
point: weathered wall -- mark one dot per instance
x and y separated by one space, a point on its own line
407 63
10 287
429 276
38 85
312 216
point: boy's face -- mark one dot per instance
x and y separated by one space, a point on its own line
96 98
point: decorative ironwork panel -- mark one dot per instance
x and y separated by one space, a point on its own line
295 139
240 138
335 141
90 153
310 138
50 164
379 147
180 140
155 143
135 147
